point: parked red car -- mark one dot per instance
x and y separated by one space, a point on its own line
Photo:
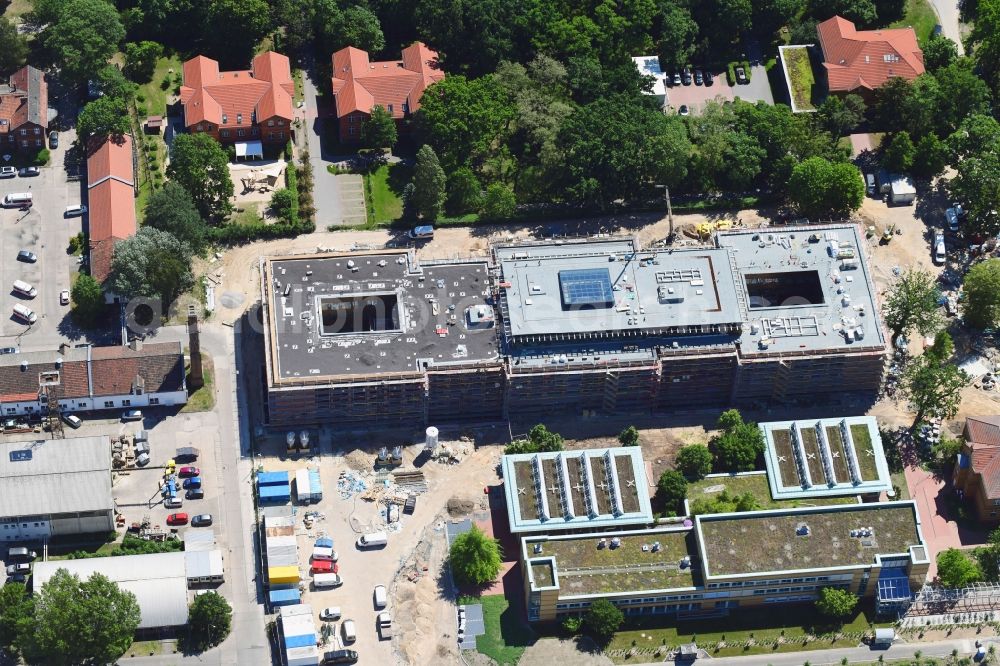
188 471
177 519
324 566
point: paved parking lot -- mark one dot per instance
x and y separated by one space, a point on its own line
44 231
694 97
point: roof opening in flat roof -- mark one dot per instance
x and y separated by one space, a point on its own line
586 288
365 313
785 289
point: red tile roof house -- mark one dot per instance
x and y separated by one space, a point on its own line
859 61
253 105
24 105
93 378
396 85
977 472
111 201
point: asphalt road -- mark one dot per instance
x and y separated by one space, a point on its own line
947 11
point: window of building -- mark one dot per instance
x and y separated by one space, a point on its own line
38 142
352 130
270 123
24 144
224 134
38 131
109 403
389 109
126 403
81 405
225 119
281 123
154 401
24 132
406 108
255 130
240 132
239 118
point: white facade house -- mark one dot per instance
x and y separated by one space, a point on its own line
92 378
650 66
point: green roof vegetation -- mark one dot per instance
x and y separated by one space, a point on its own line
542 573
755 542
585 568
756 484
866 453
800 73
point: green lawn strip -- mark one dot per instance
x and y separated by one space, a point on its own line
919 15
757 484
387 183
506 634
800 73
899 480
790 624
203 399
145 648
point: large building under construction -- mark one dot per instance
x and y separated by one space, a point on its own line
571 327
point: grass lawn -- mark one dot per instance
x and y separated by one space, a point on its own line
920 16
203 399
756 484
385 186
899 480
800 73
790 623
153 93
15 8
506 635
144 648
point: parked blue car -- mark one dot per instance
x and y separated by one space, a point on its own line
193 482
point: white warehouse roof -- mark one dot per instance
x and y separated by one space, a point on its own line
55 476
203 564
158 582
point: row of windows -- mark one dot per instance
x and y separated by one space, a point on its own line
753 583
108 404
25 143
13 526
24 132
203 128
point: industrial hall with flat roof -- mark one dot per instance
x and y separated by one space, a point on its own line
593 325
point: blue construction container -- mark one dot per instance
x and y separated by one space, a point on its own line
288 597
272 478
280 494
315 485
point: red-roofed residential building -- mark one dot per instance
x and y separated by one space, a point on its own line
977 472
396 85
859 61
24 106
253 105
110 200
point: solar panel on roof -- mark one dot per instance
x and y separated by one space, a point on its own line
590 287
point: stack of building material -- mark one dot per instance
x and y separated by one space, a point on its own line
298 635
282 552
273 488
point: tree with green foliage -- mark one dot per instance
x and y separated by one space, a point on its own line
210 619
140 59
931 157
15 47
171 209
984 42
152 263
379 129
862 12
899 154
939 51
16 615
987 556
88 300
603 619
912 304
629 436
465 194
429 184
771 15
694 461
110 82
475 558
724 502
961 95
499 202
85 34
739 445
615 147
336 27
80 622
841 115
933 383
956 570
282 204
200 165
540 440
821 188
982 295
234 27
836 603
679 36
104 116
671 489
571 624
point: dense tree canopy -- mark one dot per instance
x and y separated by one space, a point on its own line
88 300
201 166
84 35
15 47
102 117
956 569
836 603
539 440
982 295
933 383
171 209
210 619
694 461
912 304
671 489
379 129
820 188
152 263
603 619
740 443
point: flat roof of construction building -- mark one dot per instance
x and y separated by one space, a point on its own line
787 290
609 563
829 537
825 457
573 489
55 476
340 315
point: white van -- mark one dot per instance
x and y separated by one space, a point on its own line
17 200
25 289
25 313
75 211
373 540
347 630
380 596
324 580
